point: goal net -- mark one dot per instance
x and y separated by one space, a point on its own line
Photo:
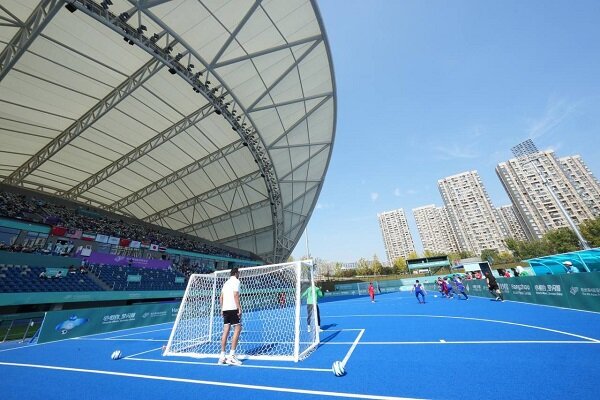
276 323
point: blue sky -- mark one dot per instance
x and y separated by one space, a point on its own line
428 89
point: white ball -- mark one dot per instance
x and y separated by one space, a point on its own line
116 355
338 368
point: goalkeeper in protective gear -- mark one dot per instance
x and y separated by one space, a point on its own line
312 293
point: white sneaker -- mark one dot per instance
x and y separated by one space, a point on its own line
308 329
319 329
232 360
221 360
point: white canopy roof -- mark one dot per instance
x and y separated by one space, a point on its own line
211 117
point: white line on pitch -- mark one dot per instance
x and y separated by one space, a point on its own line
120 339
465 342
345 360
221 366
143 352
212 383
465 318
141 333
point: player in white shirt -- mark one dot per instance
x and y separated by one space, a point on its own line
232 315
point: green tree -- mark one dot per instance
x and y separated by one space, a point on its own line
362 267
561 240
399 265
428 253
489 255
505 257
376 265
590 230
412 255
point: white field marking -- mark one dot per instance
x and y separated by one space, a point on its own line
541 305
143 352
141 333
119 339
214 364
345 360
211 383
481 342
465 318
126 329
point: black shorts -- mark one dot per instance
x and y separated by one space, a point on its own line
494 287
231 317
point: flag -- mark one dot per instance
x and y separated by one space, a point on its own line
113 240
154 247
145 243
74 234
88 236
102 238
162 248
135 244
58 231
125 242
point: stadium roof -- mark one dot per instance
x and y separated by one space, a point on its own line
214 118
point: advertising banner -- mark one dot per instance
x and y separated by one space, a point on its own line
580 291
111 259
59 325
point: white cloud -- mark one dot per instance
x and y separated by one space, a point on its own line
397 192
557 110
374 196
456 151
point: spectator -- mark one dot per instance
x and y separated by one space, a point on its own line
571 269
43 275
515 272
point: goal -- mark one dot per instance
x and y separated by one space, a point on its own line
274 314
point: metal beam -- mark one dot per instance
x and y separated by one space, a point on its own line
35 24
85 121
286 103
283 75
270 50
256 143
202 197
233 34
142 150
226 216
298 122
252 233
175 176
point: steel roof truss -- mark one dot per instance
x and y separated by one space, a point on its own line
203 197
35 24
177 175
142 150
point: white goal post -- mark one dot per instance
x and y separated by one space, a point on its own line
275 316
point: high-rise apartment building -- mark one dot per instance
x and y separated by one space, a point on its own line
535 207
397 239
435 230
584 181
472 216
510 223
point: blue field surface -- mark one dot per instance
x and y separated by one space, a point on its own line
394 348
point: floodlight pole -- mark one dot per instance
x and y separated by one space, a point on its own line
527 150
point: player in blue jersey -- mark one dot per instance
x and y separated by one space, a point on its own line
460 288
419 290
